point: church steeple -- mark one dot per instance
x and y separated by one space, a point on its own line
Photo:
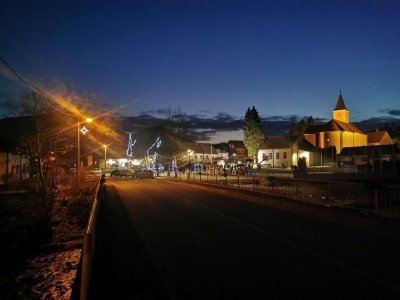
341 113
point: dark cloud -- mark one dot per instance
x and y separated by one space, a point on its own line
391 112
205 135
394 112
204 127
378 123
281 118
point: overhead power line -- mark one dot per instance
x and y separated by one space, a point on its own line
30 85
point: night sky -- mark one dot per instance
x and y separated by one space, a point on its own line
213 59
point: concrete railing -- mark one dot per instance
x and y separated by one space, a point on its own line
88 248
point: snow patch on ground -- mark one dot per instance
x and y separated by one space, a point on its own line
49 276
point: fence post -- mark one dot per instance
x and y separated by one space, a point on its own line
253 181
238 180
329 195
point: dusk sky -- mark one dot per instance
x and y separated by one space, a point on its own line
213 59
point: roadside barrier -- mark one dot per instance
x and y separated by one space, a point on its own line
368 196
88 248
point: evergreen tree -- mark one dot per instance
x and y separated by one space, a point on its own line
253 134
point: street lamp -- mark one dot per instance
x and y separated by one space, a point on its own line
190 169
105 156
84 131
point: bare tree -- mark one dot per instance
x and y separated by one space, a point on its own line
47 139
176 122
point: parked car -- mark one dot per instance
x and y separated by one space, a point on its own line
142 174
121 173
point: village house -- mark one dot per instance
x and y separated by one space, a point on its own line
285 151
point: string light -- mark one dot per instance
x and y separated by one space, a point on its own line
129 151
156 144
153 158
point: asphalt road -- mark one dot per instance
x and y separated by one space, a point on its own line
160 239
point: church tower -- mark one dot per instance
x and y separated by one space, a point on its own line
341 113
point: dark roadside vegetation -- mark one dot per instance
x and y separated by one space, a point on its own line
40 248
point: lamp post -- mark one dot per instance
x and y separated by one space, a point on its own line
78 164
190 169
105 156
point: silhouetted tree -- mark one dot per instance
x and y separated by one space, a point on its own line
253 134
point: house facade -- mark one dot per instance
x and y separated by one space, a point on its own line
13 167
285 151
237 150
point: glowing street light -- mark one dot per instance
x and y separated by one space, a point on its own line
84 130
105 155
190 169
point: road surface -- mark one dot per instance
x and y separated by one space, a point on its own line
160 239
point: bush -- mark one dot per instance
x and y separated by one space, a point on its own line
302 164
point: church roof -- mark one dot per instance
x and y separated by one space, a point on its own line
375 136
334 125
340 103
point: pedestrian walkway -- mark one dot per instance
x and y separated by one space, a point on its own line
122 267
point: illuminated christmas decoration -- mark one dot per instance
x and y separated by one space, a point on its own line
156 144
130 145
84 130
152 159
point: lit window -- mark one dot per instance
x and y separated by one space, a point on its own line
270 155
277 155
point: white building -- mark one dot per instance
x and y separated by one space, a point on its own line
284 151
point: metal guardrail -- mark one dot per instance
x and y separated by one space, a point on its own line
88 248
368 196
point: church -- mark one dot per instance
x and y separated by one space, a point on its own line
337 143
338 132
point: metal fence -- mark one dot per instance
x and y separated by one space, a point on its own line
369 196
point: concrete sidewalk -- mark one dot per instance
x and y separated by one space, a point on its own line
123 268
